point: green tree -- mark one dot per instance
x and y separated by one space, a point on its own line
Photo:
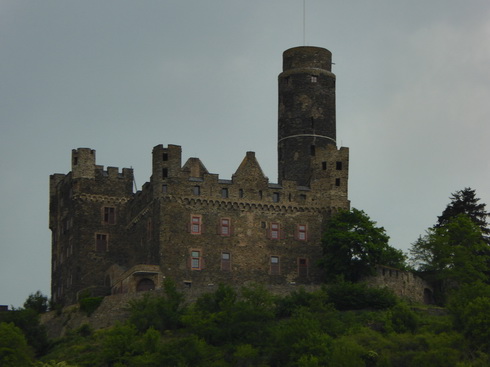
465 202
452 255
14 350
353 245
37 302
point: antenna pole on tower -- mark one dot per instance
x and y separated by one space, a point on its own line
304 22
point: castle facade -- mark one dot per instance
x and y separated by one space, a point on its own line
188 224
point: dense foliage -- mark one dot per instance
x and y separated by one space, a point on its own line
353 245
455 252
340 325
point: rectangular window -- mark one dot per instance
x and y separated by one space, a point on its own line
314 79
275 197
165 157
101 242
109 215
240 193
275 266
275 231
338 166
301 233
324 166
303 268
196 260
196 190
224 193
164 189
224 228
312 150
196 224
225 261
337 182
164 172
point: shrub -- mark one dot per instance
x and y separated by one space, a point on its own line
357 296
90 304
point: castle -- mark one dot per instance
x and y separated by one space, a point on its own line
188 224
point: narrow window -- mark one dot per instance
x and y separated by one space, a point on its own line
195 260
164 172
196 190
224 193
274 231
75 161
165 157
149 230
260 194
312 123
301 233
196 224
164 189
324 166
225 227
312 150
225 261
275 266
338 166
303 268
101 242
275 197
109 216
240 193
337 182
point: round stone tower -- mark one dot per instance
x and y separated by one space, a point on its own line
306 111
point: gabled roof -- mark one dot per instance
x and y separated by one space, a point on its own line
249 168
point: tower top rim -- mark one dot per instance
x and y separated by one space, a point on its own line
307 57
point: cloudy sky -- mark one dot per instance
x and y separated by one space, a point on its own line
413 100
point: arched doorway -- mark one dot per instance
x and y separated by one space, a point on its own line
145 285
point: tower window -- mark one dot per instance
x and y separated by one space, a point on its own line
164 172
337 182
260 194
274 231
164 189
165 157
275 265
225 261
224 193
240 193
109 216
301 232
312 150
324 166
196 224
101 242
338 166
275 197
196 190
75 161
196 263
302 267
224 228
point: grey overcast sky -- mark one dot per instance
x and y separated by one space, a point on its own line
413 100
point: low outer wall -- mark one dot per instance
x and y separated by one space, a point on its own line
404 284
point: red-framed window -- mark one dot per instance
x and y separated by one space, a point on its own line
303 267
196 224
275 265
109 215
225 227
196 260
275 231
302 232
101 242
225 261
